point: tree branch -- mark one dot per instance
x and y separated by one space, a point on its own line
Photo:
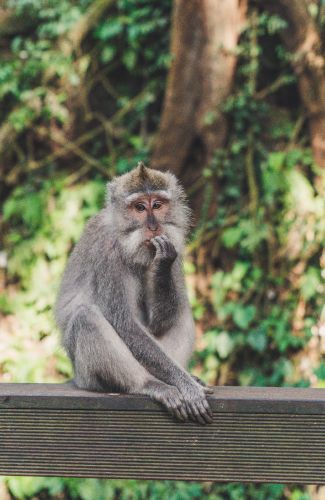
304 41
67 44
71 41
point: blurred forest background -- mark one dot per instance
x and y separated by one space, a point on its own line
229 95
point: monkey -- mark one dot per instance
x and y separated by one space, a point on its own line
122 306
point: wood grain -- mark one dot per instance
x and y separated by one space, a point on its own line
258 435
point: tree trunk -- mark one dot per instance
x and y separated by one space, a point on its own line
203 42
203 46
303 39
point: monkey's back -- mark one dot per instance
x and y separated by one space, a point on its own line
89 256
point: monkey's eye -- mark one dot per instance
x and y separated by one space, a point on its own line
156 205
140 207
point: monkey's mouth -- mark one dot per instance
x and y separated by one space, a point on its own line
150 247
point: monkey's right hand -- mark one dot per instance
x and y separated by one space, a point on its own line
165 250
196 404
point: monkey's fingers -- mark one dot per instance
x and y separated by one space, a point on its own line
164 248
206 411
176 409
190 412
177 414
184 413
163 245
202 412
196 414
172 410
169 248
208 389
156 243
165 242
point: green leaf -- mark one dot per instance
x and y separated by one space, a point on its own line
257 339
224 344
320 371
310 283
108 53
240 269
244 315
130 58
231 236
108 29
276 160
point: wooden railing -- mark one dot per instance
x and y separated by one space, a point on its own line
258 435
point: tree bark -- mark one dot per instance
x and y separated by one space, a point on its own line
303 39
193 126
203 42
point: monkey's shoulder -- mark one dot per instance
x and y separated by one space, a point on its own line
97 225
97 236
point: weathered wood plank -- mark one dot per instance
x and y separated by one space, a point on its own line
258 435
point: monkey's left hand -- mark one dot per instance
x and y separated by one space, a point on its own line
165 250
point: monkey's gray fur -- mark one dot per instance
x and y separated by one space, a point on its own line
122 307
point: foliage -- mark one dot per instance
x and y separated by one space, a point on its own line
80 116
268 232
163 490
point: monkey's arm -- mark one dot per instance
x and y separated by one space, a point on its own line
102 360
163 298
149 354
163 301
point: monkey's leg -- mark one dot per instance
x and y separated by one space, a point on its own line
102 361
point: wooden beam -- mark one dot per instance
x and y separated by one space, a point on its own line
258 435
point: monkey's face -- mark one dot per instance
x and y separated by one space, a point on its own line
148 215
145 203
149 211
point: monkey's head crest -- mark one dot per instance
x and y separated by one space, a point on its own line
143 180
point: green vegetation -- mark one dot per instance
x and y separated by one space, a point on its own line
81 107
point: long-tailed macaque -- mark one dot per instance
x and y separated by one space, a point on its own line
122 306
